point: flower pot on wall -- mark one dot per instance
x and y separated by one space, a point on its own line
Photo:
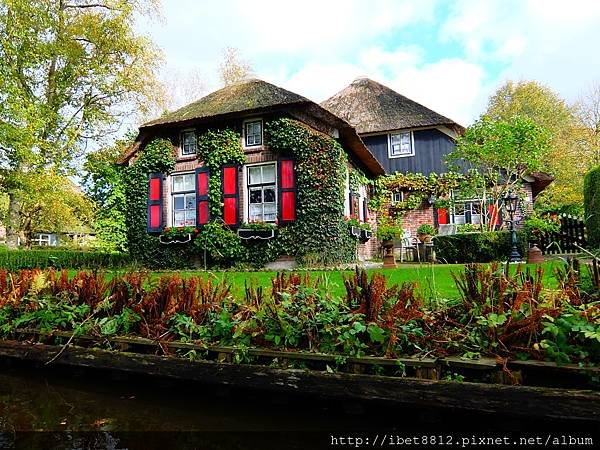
245 233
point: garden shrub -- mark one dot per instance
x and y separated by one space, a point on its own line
68 259
477 247
591 194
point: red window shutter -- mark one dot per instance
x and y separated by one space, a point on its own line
494 215
202 212
231 196
155 193
287 191
442 216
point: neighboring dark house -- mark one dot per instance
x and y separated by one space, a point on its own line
408 137
263 188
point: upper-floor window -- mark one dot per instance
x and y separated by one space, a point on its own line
183 193
253 133
397 197
188 143
401 144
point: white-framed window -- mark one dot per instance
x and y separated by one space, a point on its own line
401 144
253 133
397 197
41 239
183 199
261 188
188 143
468 211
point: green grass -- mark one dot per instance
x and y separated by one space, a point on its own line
433 281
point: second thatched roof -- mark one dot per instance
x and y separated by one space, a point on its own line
372 107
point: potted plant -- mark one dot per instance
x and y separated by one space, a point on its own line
425 232
389 229
178 235
257 229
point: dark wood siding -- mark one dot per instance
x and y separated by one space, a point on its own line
431 146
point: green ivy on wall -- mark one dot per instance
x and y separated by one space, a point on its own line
157 157
319 232
217 148
417 185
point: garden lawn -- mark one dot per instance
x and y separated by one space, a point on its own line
434 282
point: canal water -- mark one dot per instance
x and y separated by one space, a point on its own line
60 409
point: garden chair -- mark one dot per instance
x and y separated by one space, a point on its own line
408 243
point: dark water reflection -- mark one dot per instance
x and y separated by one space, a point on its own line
78 410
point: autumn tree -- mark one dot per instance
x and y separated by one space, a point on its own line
71 71
234 68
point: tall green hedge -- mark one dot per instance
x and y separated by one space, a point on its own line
61 259
591 195
477 247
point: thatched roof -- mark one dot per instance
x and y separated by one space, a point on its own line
372 107
255 96
249 96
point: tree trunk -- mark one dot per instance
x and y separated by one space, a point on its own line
13 224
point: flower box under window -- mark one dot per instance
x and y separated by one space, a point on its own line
246 233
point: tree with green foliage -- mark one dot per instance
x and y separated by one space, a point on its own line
70 72
103 182
569 157
501 152
51 202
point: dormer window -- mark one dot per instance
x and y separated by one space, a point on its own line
253 133
188 143
401 144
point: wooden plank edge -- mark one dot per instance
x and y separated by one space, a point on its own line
546 403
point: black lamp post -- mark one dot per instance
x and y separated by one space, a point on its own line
511 201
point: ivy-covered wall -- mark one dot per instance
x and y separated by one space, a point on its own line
156 157
319 234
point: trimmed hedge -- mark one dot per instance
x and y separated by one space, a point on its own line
591 196
61 259
477 247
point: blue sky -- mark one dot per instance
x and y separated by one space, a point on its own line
448 55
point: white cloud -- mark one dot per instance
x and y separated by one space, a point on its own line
317 47
551 41
452 87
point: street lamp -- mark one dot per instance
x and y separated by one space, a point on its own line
511 201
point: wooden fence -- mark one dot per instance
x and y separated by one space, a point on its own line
568 239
